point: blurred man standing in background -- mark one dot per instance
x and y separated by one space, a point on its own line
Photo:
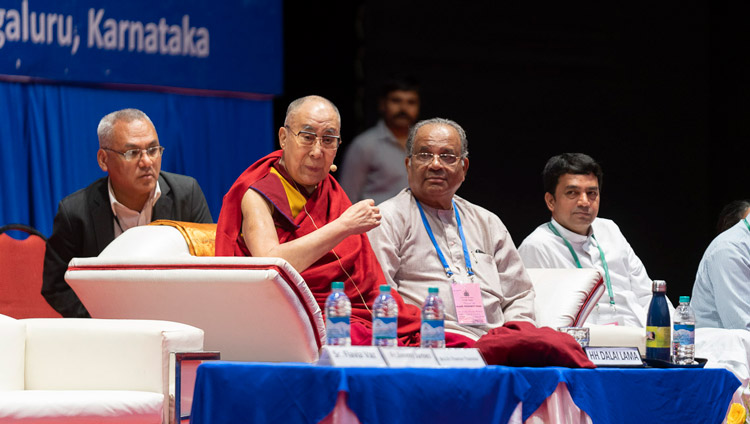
373 164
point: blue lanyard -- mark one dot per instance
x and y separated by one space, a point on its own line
578 263
746 224
427 227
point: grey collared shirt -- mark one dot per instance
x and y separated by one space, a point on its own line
373 166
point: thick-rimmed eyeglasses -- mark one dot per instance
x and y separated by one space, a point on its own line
307 139
424 158
152 152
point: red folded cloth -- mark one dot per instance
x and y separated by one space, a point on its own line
521 344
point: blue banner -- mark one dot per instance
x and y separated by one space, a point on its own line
224 46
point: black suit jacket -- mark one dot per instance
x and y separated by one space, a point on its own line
84 226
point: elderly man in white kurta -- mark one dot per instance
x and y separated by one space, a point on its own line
429 237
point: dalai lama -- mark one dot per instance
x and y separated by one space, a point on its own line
287 205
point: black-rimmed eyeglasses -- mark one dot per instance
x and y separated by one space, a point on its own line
152 152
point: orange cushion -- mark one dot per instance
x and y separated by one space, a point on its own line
200 238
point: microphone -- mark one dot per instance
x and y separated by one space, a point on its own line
334 167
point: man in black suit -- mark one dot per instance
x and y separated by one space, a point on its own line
135 193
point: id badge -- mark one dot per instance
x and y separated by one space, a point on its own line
468 300
607 314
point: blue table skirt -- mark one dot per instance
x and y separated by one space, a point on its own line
233 392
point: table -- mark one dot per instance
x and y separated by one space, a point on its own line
231 392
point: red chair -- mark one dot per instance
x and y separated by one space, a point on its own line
21 265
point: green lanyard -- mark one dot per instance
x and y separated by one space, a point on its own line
601 255
746 224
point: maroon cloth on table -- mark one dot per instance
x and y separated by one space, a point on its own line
325 204
457 340
521 344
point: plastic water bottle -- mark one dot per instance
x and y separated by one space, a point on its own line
433 320
338 311
683 336
385 319
658 330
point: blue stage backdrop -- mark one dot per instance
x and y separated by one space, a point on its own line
205 72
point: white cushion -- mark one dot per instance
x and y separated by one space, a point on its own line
77 406
12 349
147 241
565 297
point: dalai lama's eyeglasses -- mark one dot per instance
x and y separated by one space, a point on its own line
152 152
307 139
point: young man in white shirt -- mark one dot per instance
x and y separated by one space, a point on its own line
576 237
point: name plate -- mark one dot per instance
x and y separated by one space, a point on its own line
614 356
409 357
459 358
352 356
399 357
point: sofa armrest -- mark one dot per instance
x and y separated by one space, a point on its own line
263 298
103 354
12 350
149 273
565 297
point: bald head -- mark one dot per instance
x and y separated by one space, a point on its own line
297 104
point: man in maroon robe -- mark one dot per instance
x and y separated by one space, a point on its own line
287 205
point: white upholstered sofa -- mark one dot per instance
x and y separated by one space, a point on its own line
66 370
251 309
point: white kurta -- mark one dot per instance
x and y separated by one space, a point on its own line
630 282
411 264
